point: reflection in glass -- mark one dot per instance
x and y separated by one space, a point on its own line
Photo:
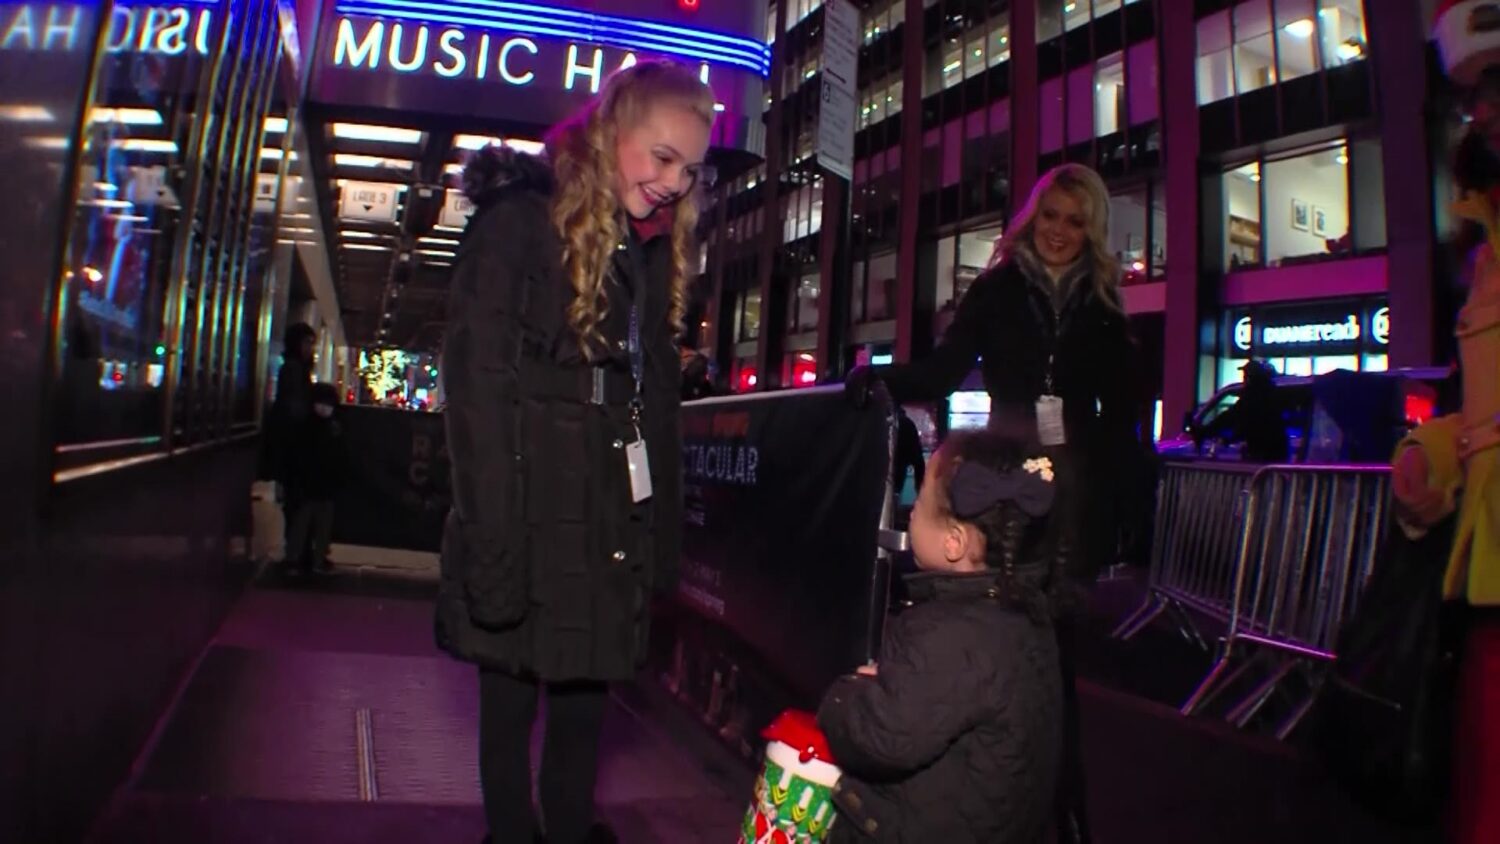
1128 233
1075 14
1253 63
118 263
1296 40
1215 65
1341 31
1242 225
1109 94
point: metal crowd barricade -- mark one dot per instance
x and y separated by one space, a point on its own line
1309 538
1195 547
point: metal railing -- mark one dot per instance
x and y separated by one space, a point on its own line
1194 548
1279 556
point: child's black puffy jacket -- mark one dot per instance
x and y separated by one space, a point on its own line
959 738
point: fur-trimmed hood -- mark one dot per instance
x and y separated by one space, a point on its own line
496 167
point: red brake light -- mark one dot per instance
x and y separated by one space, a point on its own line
1419 408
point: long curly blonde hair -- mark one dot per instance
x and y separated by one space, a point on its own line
1085 185
585 210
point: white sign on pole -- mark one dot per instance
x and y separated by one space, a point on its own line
840 98
456 210
265 193
373 201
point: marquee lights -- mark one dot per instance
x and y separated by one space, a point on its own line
527 19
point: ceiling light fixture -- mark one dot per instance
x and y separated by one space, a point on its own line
1301 28
127 116
378 134
345 159
437 253
438 241
25 114
50 142
275 125
367 247
356 234
475 142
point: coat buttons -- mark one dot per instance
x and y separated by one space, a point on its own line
617 444
871 826
620 344
618 556
620 247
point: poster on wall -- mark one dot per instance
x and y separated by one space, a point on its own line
780 527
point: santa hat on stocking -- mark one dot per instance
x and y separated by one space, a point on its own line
1468 37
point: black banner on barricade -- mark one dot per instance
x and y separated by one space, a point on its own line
783 505
397 492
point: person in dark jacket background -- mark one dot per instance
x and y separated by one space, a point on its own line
289 410
1256 419
564 385
1047 327
317 468
955 736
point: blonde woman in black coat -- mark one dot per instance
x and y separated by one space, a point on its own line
561 373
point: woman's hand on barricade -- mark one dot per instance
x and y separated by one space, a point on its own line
869 669
1417 501
862 383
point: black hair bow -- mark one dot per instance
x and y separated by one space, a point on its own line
975 489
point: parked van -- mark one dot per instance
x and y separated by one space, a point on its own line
1401 398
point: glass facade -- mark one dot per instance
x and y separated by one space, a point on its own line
163 287
1258 43
175 235
1297 207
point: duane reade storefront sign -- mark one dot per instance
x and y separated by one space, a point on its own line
1342 328
1327 332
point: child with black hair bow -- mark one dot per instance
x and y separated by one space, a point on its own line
956 735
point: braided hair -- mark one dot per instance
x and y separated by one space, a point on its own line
1005 489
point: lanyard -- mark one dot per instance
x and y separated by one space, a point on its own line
637 304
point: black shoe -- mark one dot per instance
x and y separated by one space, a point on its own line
323 567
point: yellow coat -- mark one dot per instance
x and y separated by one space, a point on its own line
1462 449
1474 564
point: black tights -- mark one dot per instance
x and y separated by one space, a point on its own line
570 757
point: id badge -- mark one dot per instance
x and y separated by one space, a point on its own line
1049 420
640 471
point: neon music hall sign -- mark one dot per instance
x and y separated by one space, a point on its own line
454 53
447 28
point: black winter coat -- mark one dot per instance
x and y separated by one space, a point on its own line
547 565
1007 324
959 738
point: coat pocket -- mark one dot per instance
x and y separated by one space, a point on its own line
556 455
